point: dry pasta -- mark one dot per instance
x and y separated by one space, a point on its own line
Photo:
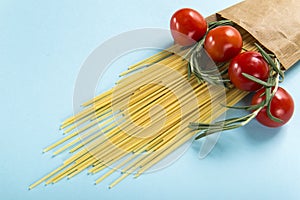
115 128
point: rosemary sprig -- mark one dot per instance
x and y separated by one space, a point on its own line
195 54
276 75
228 124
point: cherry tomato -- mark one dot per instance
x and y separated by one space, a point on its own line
282 107
251 63
187 26
223 43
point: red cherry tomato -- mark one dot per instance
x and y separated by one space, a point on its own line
282 107
251 63
223 43
187 26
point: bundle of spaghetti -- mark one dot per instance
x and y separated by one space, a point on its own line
139 122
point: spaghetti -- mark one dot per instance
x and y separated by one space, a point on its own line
115 128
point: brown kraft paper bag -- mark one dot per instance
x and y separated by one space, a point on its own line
275 24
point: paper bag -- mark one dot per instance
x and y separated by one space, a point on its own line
275 24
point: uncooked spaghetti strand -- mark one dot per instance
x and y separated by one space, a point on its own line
103 102
113 157
64 172
105 121
116 168
98 113
76 156
68 137
85 113
154 72
97 168
115 100
97 133
57 170
109 130
102 143
185 138
124 175
79 115
82 166
155 57
65 147
146 71
97 98
92 134
140 96
104 118
72 135
158 71
150 63
47 176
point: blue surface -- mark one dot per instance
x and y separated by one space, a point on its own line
42 46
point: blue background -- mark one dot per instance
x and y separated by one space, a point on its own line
42 47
